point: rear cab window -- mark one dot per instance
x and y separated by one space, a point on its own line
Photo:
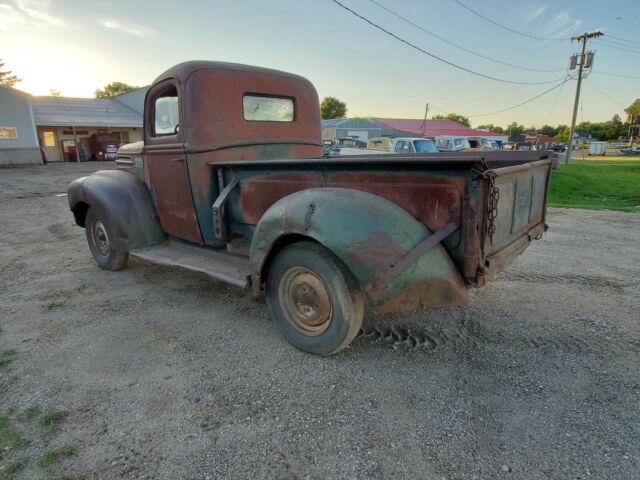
267 108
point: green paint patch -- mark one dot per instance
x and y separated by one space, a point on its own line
10 471
6 357
597 186
51 457
52 305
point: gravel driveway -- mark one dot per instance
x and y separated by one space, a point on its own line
159 373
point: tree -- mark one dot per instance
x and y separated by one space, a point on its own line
454 117
54 93
563 135
614 129
113 88
491 127
514 129
6 78
331 107
633 109
549 130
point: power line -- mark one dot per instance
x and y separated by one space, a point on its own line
619 44
623 39
566 79
604 94
616 75
428 32
535 37
473 72
555 102
616 47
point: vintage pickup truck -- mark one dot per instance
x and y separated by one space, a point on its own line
230 181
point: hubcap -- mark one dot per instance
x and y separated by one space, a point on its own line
100 237
305 301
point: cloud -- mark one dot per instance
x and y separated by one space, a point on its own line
9 16
37 10
562 24
32 12
533 14
128 28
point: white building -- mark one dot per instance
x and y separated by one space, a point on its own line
57 124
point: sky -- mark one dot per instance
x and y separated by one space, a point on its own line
77 46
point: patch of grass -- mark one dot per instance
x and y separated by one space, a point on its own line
596 185
52 305
51 457
14 468
51 420
10 437
6 357
31 413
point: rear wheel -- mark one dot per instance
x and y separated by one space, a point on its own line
314 298
99 237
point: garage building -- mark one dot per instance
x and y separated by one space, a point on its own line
58 124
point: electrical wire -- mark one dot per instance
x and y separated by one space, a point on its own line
617 75
623 39
566 79
535 37
555 102
473 72
618 44
605 94
599 42
428 32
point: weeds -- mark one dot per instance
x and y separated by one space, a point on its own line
52 305
51 420
51 457
6 357
14 468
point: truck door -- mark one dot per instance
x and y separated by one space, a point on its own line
165 163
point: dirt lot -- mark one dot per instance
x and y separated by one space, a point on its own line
158 373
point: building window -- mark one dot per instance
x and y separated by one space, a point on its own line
124 137
49 139
8 132
262 108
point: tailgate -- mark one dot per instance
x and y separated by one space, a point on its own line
516 211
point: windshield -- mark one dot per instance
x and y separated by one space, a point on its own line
486 143
462 143
424 146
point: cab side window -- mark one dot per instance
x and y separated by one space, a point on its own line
166 113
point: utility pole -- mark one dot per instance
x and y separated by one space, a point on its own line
580 38
424 123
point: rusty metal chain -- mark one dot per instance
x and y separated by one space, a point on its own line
492 205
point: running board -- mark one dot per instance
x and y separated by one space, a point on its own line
215 263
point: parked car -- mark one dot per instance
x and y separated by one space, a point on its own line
446 143
413 145
519 146
559 148
384 144
244 195
480 144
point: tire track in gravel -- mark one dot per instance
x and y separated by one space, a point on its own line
469 334
566 278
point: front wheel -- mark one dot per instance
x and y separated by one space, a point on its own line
314 298
99 237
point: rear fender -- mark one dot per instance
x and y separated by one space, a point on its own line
125 204
368 234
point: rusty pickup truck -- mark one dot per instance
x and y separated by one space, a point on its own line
230 181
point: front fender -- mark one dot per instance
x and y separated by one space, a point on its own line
368 234
124 203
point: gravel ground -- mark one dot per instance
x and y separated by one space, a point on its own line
166 374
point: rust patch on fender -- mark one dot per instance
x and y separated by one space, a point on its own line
432 293
378 251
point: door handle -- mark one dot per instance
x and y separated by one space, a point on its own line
176 160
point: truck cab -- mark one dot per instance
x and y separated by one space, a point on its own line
231 181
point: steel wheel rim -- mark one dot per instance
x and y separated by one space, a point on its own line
305 301
100 237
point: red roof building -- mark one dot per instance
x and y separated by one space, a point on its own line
434 128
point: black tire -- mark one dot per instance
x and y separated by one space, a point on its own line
314 299
99 237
